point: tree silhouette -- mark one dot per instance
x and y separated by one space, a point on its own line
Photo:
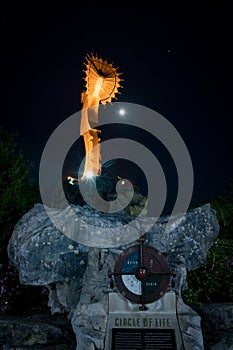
17 194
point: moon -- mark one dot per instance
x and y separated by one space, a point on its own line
122 111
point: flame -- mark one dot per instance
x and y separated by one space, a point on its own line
102 83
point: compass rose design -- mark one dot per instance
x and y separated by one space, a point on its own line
142 274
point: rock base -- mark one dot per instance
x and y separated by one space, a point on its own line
36 332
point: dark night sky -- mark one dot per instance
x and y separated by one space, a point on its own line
175 60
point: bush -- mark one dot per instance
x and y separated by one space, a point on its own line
17 298
213 282
16 191
17 195
8 287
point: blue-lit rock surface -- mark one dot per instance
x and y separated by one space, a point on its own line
41 253
77 275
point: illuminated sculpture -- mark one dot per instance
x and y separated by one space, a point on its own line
102 83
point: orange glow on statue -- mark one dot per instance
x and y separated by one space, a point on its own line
102 83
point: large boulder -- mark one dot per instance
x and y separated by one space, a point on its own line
41 253
77 275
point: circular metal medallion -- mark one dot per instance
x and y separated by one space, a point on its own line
142 274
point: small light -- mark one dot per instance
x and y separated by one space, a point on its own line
71 180
89 174
123 182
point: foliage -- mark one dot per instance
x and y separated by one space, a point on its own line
224 211
8 287
17 196
213 282
14 295
16 191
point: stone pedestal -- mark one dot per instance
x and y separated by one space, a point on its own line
157 327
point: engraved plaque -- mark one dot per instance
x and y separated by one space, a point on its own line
143 339
156 328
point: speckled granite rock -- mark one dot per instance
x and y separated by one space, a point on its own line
217 326
36 332
77 275
41 253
